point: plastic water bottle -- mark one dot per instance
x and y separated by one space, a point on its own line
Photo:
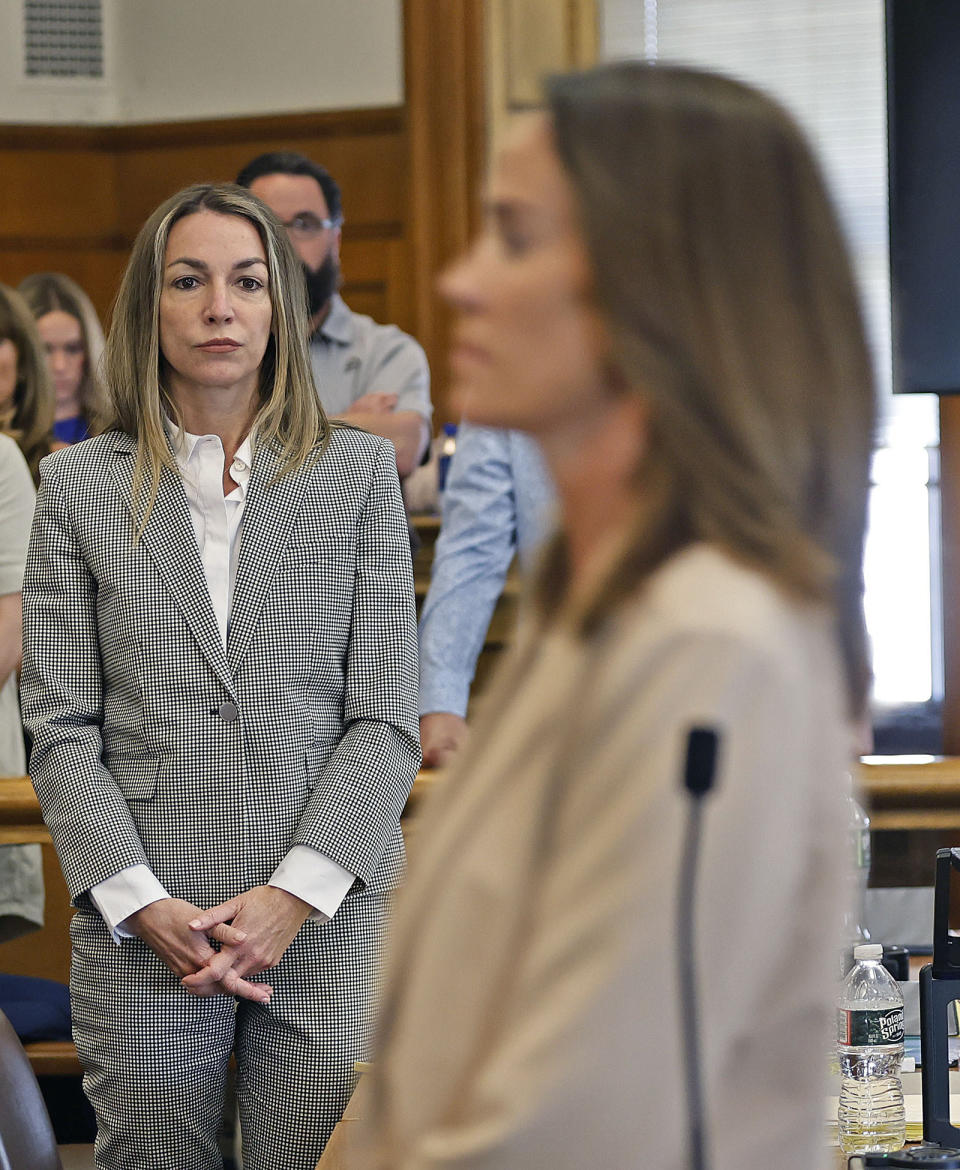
870 1116
448 444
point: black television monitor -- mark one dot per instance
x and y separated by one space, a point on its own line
923 109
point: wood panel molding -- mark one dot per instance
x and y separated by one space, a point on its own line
109 243
74 197
207 131
446 133
528 40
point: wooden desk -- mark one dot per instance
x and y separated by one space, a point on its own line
21 822
901 792
911 792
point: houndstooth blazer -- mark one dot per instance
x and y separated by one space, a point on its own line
151 744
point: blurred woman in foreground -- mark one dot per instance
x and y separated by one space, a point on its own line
26 396
663 298
73 341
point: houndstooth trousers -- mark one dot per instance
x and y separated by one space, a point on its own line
295 1057
152 744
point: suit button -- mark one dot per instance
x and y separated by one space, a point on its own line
228 712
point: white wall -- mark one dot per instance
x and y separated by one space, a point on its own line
179 59
216 58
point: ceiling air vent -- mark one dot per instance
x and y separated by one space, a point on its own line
63 39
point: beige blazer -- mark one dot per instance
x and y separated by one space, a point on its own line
530 1015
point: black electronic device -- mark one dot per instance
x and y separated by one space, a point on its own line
932 1157
923 120
939 988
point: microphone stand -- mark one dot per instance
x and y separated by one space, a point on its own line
698 777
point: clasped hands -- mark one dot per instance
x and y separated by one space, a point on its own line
253 930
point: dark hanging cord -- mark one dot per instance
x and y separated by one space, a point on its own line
698 776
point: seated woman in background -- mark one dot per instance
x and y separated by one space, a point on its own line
21 867
26 396
662 297
73 340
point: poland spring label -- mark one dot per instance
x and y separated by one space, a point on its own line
870 1026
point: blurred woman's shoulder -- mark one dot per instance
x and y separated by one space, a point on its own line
704 589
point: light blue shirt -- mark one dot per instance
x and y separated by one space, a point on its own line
498 501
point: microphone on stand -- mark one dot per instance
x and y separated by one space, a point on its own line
698 776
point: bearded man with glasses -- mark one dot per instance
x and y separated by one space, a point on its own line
375 376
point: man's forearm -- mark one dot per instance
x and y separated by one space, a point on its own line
407 430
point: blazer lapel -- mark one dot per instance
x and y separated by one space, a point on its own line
269 517
170 539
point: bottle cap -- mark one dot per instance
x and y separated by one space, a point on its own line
868 951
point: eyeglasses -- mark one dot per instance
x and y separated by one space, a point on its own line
306 226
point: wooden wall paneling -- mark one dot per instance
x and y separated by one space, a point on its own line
368 299
368 165
364 260
366 275
536 37
446 130
528 40
96 270
400 307
73 198
58 205
57 194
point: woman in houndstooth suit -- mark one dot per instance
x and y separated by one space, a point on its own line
220 685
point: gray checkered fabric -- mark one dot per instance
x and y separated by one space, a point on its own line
138 758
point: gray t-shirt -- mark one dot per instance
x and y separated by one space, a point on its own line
352 355
21 867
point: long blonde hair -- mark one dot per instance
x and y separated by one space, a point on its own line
49 292
290 413
723 275
31 422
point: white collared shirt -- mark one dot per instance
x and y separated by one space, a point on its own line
217 518
218 524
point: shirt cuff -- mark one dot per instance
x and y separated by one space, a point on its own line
123 894
315 879
442 689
